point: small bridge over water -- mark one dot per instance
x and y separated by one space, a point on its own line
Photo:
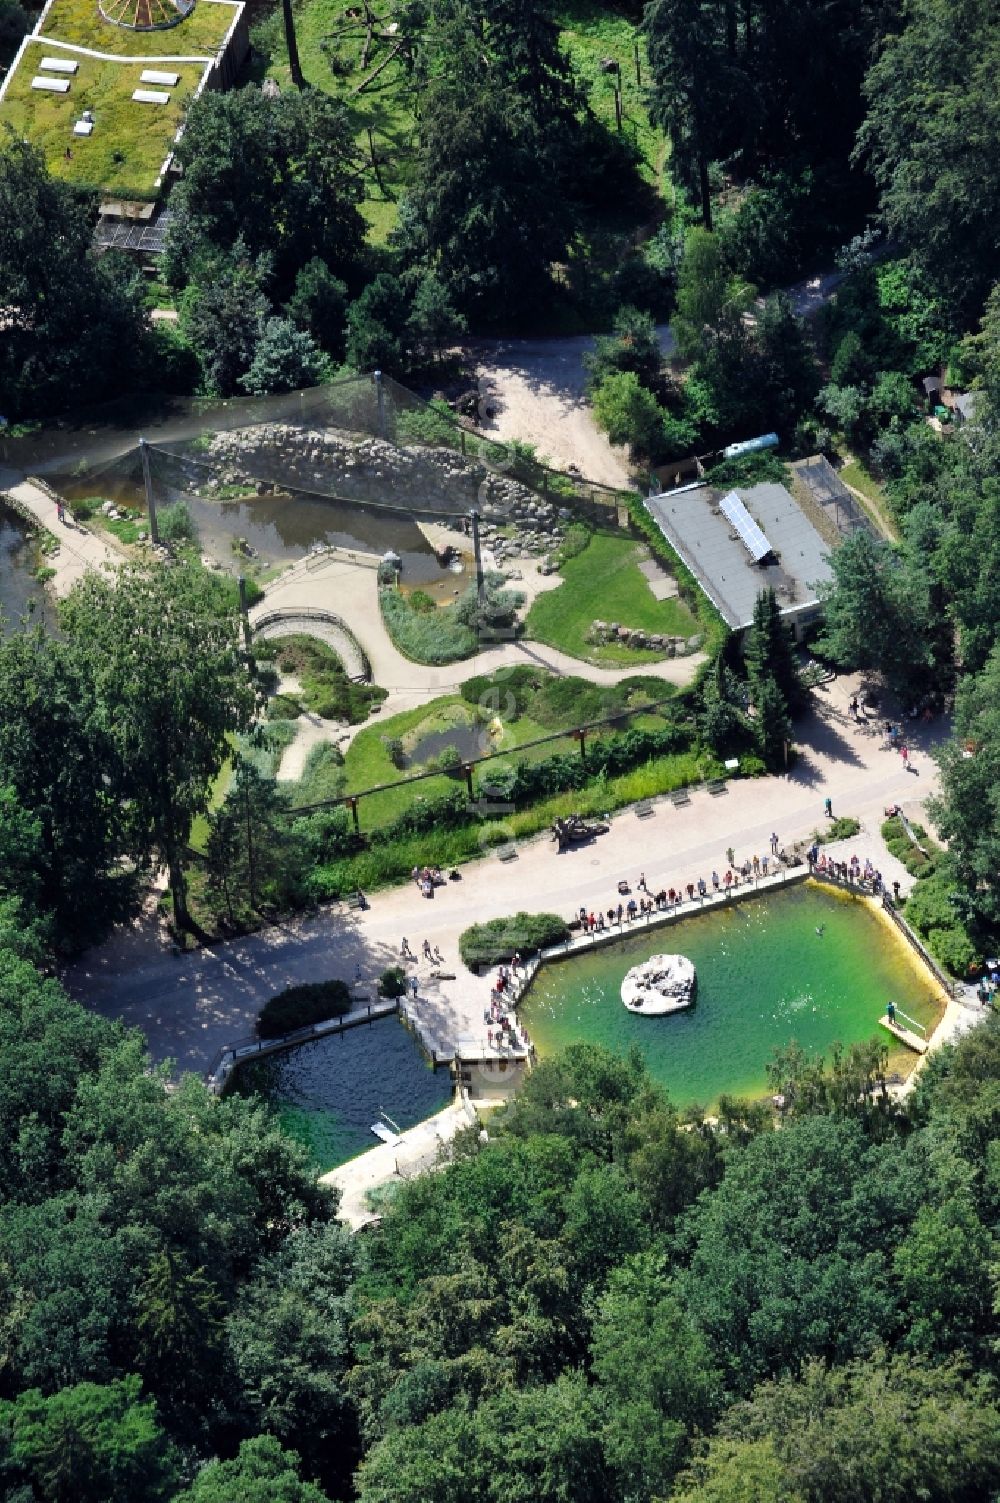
312 621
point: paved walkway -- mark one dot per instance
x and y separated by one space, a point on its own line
416 1151
189 1006
351 591
79 550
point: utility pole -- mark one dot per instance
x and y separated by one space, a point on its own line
147 480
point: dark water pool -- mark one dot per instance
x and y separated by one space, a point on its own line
329 1093
468 740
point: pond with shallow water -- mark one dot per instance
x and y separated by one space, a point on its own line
805 963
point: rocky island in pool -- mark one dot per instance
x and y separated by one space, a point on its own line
660 985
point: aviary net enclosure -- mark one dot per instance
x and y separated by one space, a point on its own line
363 441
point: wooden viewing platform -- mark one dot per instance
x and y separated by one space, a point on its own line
905 1036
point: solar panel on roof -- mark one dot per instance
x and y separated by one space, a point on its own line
752 538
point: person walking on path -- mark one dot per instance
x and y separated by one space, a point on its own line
774 845
828 808
904 752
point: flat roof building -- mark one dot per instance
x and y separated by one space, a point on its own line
739 542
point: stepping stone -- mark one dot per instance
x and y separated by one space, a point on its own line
54 85
58 65
150 75
149 96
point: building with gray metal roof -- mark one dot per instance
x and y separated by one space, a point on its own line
722 537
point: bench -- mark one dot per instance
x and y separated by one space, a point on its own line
644 809
507 852
717 785
680 796
356 900
150 96
150 75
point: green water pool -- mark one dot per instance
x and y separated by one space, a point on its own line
765 977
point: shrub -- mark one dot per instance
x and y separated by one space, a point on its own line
323 775
508 693
298 1006
392 983
839 829
326 689
919 863
283 707
437 638
487 944
175 524
932 912
394 750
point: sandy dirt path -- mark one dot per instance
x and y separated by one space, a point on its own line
536 391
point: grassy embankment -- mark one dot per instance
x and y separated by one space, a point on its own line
604 583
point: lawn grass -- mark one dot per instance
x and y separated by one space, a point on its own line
130 141
387 106
859 478
368 763
591 32
603 583
198 837
588 33
200 34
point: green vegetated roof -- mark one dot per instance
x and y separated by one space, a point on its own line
130 140
201 33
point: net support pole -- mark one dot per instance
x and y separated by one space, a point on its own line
245 618
147 481
478 551
380 398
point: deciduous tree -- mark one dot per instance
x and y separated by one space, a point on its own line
170 687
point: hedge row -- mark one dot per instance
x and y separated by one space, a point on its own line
298 1006
525 933
899 844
